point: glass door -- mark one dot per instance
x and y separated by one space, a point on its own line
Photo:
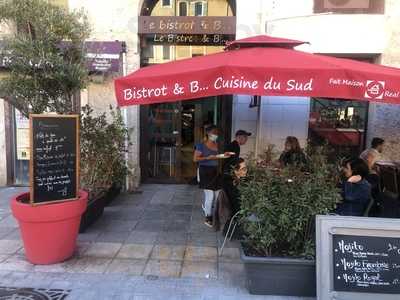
169 132
161 140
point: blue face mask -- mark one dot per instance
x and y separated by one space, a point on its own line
213 137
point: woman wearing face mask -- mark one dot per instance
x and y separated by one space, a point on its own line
205 155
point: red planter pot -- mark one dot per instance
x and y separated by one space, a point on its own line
49 231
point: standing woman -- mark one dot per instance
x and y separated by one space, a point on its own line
205 155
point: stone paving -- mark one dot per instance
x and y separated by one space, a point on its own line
152 245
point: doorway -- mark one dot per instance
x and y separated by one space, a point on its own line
170 131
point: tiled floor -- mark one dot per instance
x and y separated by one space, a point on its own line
156 237
158 232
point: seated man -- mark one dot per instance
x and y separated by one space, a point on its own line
231 181
230 187
356 191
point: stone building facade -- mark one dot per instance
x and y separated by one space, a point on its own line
356 32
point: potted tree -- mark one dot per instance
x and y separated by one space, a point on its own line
47 72
277 217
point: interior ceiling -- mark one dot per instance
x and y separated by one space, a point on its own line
149 5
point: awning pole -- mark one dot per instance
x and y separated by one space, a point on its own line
259 123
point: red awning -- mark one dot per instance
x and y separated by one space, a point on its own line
262 66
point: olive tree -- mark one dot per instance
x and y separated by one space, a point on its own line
46 56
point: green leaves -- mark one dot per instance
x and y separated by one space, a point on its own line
103 147
286 203
44 75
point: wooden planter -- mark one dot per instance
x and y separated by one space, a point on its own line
112 193
279 276
94 211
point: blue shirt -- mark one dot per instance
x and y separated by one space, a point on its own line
205 151
356 197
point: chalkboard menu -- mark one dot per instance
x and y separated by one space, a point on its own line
366 264
54 164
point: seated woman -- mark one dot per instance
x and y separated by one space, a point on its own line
356 191
292 155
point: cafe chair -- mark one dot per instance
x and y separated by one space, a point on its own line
369 206
229 232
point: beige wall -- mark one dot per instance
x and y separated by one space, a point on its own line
116 20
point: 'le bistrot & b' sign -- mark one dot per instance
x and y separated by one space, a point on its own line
54 164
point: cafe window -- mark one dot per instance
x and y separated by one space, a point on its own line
199 9
339 124
166 3
350 6
183 8
166 52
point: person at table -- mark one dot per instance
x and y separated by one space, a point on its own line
373 154
241 138
356 190
292 155
230 187
231 182
205 155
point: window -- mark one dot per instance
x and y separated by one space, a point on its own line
149 51
183 8
166 3
166 52
340 124
350 6
199 9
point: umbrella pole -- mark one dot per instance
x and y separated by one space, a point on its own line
258 130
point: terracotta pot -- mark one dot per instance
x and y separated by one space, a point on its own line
49 231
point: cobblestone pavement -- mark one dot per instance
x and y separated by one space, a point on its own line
152 245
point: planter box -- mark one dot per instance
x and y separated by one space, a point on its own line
279 276
94 211
112 193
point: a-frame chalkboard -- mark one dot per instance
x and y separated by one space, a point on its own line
54 163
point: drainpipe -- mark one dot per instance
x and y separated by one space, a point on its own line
125 111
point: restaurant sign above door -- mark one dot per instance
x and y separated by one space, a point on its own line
187 25
189 39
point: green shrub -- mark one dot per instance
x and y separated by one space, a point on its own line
279 206
103 147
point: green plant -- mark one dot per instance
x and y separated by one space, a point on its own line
278 206
103 148
46 56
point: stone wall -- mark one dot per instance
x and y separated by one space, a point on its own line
384 119
3 158
110 21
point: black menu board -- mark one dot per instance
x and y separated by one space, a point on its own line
366 264
54 164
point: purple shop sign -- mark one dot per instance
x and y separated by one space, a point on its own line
100 56
103 56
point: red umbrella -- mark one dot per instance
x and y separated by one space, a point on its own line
260 65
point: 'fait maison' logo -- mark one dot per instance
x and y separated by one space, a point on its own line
374 89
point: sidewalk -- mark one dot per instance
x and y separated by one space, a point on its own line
152 245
